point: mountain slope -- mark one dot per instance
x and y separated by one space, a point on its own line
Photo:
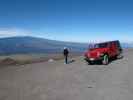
16 45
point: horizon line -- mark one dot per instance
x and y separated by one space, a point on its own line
89 41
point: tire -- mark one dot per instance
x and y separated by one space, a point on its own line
120 56
90 63
105 60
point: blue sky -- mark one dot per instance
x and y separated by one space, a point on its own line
68 20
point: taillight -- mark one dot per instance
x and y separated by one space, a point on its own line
87 54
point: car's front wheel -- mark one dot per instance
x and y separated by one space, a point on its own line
105 60
90 62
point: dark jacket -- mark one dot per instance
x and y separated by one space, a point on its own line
65 52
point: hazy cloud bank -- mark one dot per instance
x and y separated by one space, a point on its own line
11 32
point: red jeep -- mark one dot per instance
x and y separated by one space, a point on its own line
103 52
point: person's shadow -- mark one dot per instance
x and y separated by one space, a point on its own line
71 61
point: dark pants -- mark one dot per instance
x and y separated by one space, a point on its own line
66 59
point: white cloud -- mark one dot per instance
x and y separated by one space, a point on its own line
10 32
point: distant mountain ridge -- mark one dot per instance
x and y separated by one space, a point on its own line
17 45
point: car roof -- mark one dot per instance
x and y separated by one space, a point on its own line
108 42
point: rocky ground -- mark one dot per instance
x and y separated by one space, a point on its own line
75 81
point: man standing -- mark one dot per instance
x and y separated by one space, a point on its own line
66 52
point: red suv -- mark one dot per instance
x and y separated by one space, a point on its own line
103 52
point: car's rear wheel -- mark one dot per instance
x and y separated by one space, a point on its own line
119 56
105 60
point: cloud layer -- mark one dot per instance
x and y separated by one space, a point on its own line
11 32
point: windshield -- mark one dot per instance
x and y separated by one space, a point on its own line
99 45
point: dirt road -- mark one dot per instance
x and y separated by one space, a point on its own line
75 81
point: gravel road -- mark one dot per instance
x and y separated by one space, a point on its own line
75 81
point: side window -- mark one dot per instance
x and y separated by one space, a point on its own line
117 44
114 44
110 44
